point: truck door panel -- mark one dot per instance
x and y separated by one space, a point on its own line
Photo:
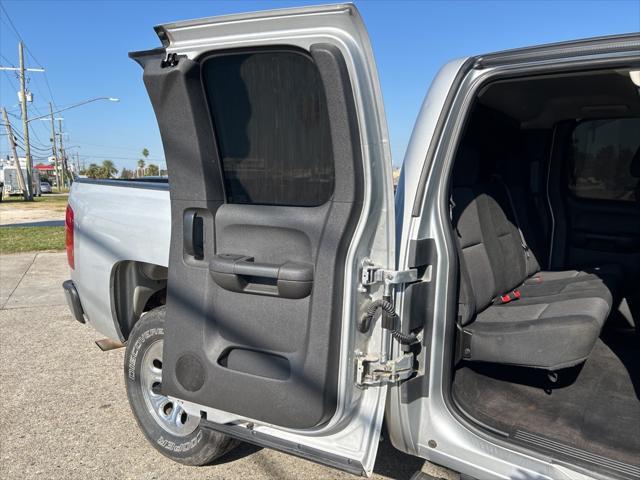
280 185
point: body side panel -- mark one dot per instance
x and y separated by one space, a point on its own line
113 224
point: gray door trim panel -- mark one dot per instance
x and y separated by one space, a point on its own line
304 394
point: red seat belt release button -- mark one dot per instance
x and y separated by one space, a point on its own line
505 298
517 294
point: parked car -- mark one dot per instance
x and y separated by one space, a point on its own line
45 187
276 292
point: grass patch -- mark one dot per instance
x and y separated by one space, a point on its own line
56 203
31 239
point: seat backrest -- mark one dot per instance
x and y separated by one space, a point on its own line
487 233
501 237
475 263
513 174
520 202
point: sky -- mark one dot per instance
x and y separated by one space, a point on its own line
83 47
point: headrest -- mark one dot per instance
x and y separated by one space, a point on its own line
635 164
466 168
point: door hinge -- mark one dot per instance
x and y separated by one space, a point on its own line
371 371
372 274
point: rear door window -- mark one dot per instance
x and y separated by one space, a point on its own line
601 159
272 127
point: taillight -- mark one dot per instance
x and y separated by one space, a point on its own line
68 228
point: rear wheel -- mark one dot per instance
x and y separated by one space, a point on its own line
171 430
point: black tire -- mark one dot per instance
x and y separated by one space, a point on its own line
199 447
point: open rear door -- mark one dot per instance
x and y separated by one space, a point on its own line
280 178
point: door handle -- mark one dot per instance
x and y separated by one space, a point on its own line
193 234
240 273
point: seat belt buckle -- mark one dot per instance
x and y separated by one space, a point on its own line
517 294
505 298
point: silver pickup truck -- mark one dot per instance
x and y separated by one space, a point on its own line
275 291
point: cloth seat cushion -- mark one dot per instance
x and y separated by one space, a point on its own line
543 335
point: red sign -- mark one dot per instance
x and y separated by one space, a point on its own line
44 168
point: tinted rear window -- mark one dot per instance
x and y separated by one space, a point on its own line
602 153
272 127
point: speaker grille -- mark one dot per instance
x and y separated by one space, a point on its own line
190 372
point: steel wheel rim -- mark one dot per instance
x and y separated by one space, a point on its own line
166 413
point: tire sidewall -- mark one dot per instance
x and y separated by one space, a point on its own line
195 448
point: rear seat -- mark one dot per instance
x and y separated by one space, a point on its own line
506 221
507 315
513 196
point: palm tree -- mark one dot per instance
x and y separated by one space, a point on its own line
153 170
109 168
141 162
93 171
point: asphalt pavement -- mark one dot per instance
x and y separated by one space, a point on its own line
64 411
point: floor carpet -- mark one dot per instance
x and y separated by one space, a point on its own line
594 407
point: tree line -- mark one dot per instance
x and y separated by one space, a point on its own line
108 169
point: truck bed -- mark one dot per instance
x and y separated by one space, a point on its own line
115 221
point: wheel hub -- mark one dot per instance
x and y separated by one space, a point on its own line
167 413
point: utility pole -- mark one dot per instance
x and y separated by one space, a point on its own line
62 154
12 143
23 107
53 146
25 124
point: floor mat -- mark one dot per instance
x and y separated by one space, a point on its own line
594 407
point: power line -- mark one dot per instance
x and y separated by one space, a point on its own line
15 132
5 22
131 149
42 146
16 108
26 47
46 81
36 84
40 142
115 157
19 36
43 126
20 142
7 60
35 134
11 80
